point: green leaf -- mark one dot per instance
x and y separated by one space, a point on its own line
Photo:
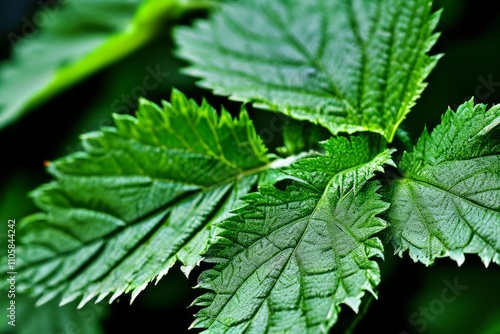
347 65
77 40
448 202
288 259
140 197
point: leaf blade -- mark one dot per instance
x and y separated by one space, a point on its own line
339 64
450 190
121 213
288 259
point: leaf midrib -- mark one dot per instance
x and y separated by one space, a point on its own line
185 197
473 228
441 189
293 252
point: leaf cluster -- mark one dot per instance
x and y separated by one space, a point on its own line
290 235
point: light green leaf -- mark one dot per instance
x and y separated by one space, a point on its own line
347 65
448 202
288 259
140 197
75 41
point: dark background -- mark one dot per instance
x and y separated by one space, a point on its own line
471 42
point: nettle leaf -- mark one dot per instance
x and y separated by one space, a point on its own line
140 197
288 259
347 65
75 41
448 202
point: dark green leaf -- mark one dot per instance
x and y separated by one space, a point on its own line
140 197
347 65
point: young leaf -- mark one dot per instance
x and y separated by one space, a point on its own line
448 202
140 197
347 65
288 259
76 40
